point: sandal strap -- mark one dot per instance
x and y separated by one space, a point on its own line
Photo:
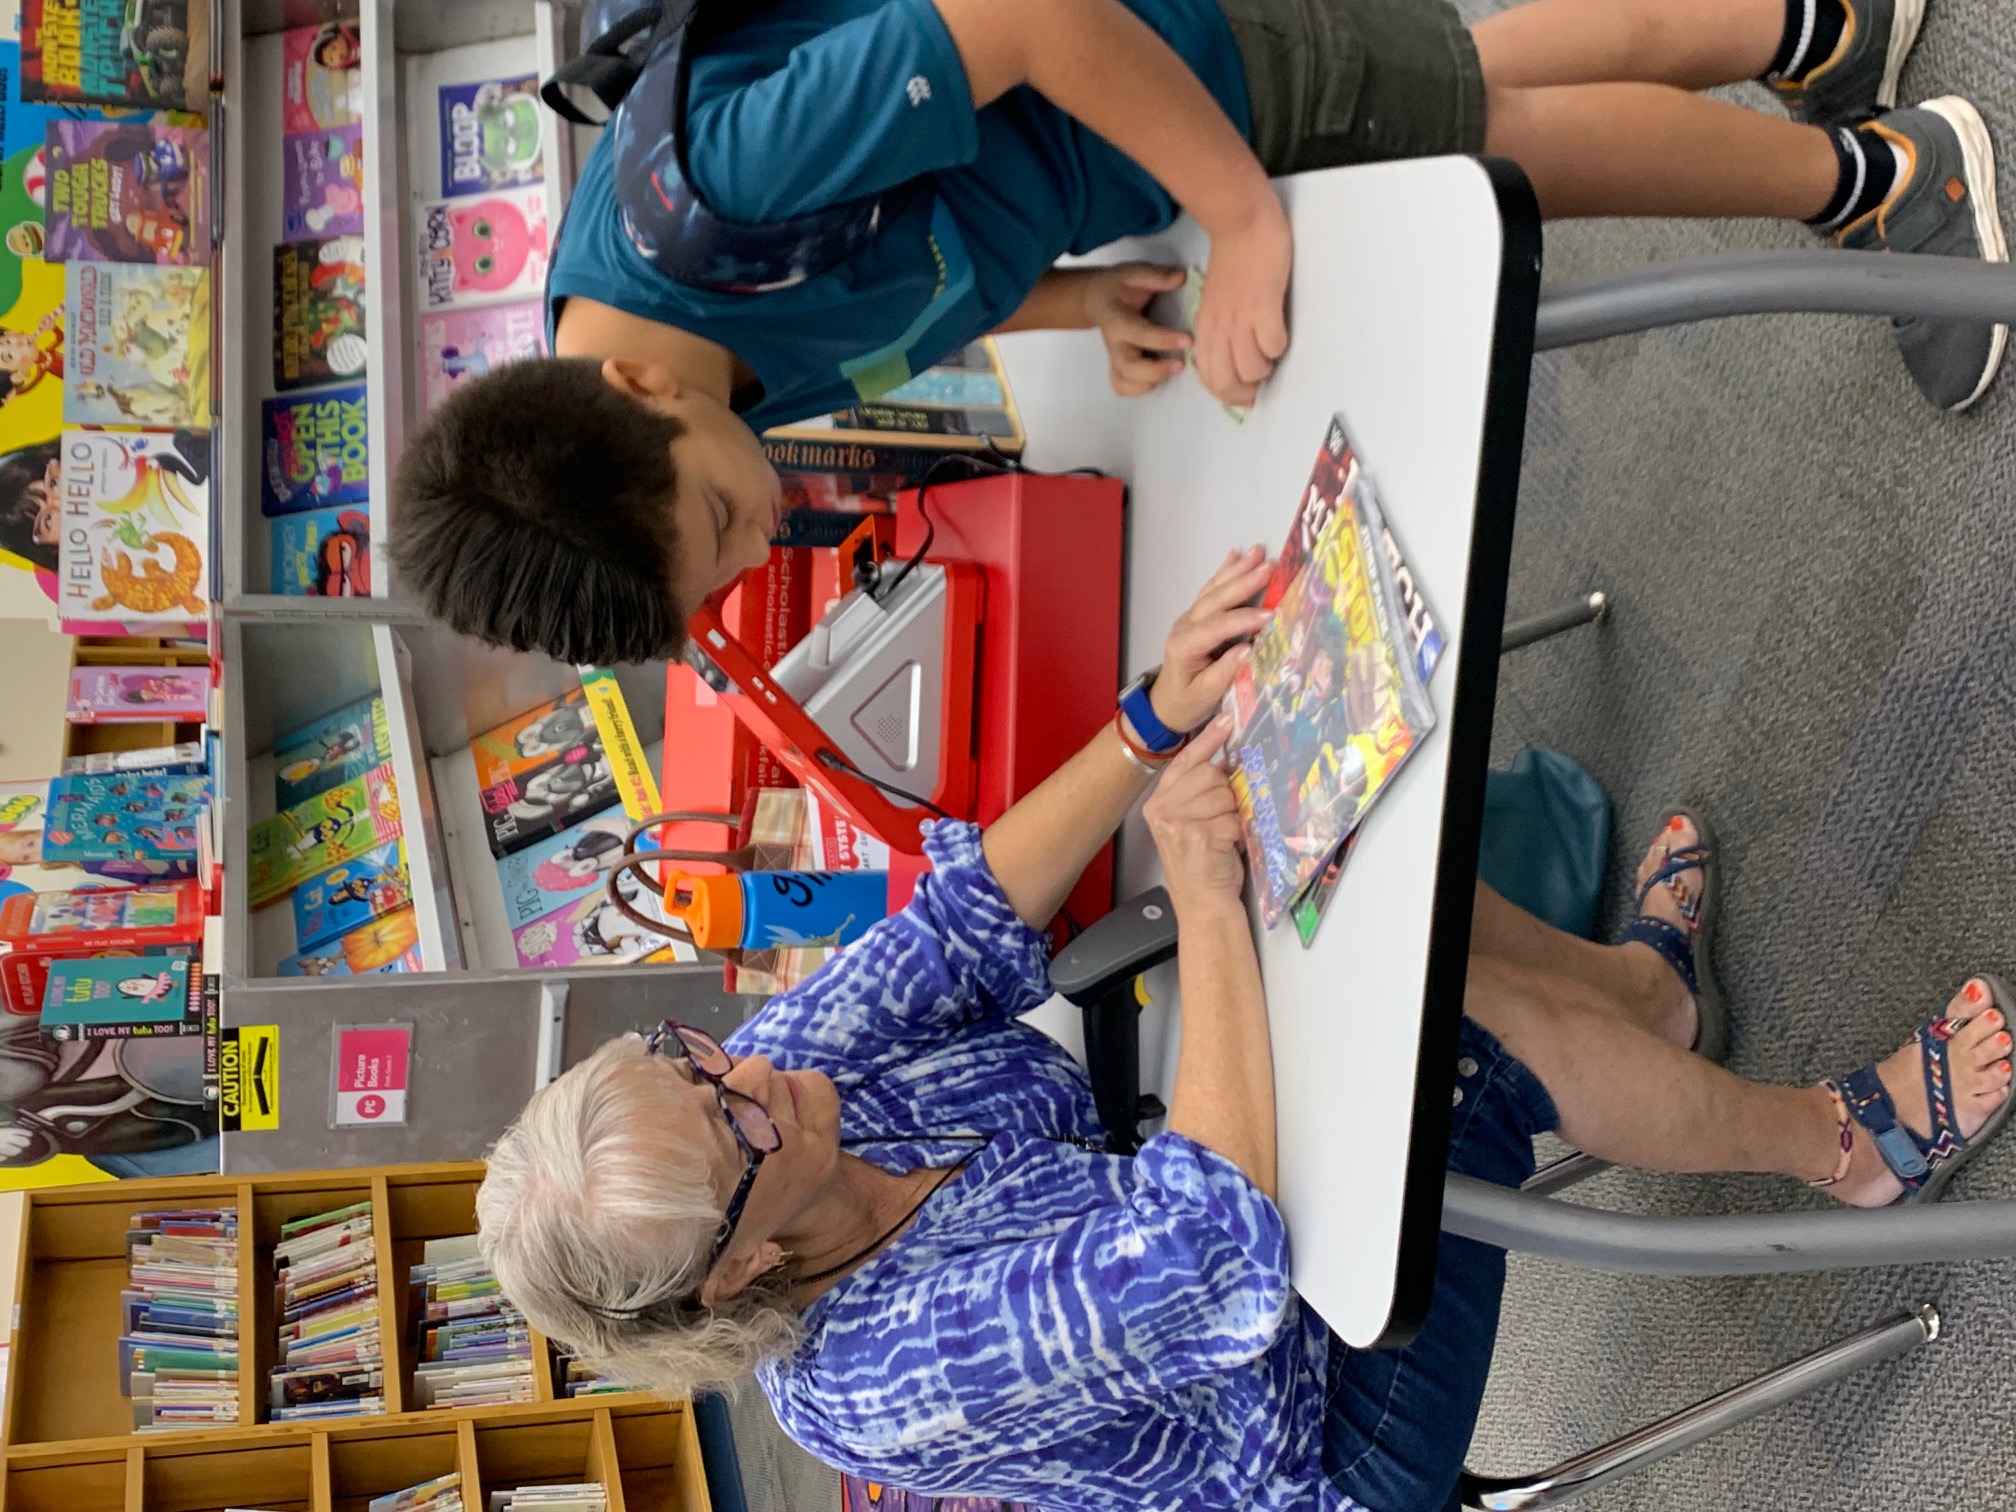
1672 942
1934 1037
1687 858
1869 1105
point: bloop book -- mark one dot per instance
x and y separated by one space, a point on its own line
490 137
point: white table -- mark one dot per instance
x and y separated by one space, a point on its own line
1412 315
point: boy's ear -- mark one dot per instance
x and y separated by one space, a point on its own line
652 382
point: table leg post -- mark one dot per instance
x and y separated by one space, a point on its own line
1648 1445
1592 608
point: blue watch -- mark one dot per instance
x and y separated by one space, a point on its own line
1140 712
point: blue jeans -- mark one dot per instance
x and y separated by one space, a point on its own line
1398 1421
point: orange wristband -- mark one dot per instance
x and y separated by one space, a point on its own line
1149 761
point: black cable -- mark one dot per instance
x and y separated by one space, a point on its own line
840 763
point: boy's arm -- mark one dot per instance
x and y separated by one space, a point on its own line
1115 301
1102 65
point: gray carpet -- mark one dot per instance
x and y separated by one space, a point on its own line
1815 641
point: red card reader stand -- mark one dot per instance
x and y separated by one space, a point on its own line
989 666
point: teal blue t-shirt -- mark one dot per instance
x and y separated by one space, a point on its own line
813 102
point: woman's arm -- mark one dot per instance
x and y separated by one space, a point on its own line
1040 847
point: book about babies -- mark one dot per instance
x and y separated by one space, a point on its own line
1331 703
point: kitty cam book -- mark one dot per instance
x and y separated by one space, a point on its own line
116 695
316 450
325 552
127 191
457 345
136 526
351 895
321 77
322 184
482 249
387 944
120 997
490 136
154 54
137 343
318 312
335 749
332 827
531 739
561 869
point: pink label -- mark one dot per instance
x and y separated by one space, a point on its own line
371 1065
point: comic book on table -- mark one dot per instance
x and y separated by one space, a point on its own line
127 191
1331 702
138 816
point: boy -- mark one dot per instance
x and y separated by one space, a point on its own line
582 504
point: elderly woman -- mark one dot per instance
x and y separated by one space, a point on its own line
892 1202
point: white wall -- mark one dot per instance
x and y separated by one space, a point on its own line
34 683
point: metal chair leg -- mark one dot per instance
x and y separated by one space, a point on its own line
1593 609
1565 1172
1648 1445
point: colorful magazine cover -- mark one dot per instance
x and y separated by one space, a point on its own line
385 945
351 895
490 135
129 816
120 997
1329 706
316 450
318 312
324 831
116 695
563 868
138 340
457 345
135 525
322 184
324 552
522 811
322 77
150 53
127 191
337 748
478 251
529 740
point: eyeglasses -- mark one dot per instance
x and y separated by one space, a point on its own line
701 1059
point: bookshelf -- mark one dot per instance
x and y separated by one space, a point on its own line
64 1444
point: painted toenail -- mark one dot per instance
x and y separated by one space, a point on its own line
1675 822
2002 1039
1973 992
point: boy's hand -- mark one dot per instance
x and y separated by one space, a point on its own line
1138 351
1242 324
1207 646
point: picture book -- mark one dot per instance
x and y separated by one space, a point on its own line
175 760
318 312
332 827
475 251
322 183
1329 706
591 931
127 191
36 928
135 517
524 810
316 450
154 54
563 868
322 77
349 896
533 738
390 943
325 552
115 695
489 135
133 816
120 997
457 345
138 344
337 748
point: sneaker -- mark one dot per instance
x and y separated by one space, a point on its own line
1943 204
1861 76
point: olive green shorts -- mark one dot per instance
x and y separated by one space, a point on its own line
1356 81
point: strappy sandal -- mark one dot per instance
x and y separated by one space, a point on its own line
1690 951
1924 1165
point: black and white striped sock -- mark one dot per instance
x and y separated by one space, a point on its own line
1812 31
1869 169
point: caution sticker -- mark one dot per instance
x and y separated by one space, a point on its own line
248 1078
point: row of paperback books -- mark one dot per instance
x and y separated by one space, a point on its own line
179 1334
442 1494
474 1348
585 1497
330 1350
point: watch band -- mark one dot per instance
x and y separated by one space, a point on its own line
1140 711
1147 762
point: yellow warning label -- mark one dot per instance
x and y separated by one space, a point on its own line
248 1078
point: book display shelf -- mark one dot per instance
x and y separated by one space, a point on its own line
66 1445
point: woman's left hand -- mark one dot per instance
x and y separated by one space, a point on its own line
1207 646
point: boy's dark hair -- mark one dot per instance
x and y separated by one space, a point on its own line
533 510
18 508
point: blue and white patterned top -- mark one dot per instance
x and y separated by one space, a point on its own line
1061 1326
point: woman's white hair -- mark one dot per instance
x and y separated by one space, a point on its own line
591 1201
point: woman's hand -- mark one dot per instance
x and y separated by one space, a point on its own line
1140 354
1242 321
1195 821
1207 646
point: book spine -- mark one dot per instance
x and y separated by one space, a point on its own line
133 1030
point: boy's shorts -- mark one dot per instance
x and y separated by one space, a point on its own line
1356 81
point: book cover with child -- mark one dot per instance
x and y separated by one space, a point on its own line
351 895
306 840
321 77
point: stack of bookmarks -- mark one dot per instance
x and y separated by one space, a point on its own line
325 1294
178 1343
475 1348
